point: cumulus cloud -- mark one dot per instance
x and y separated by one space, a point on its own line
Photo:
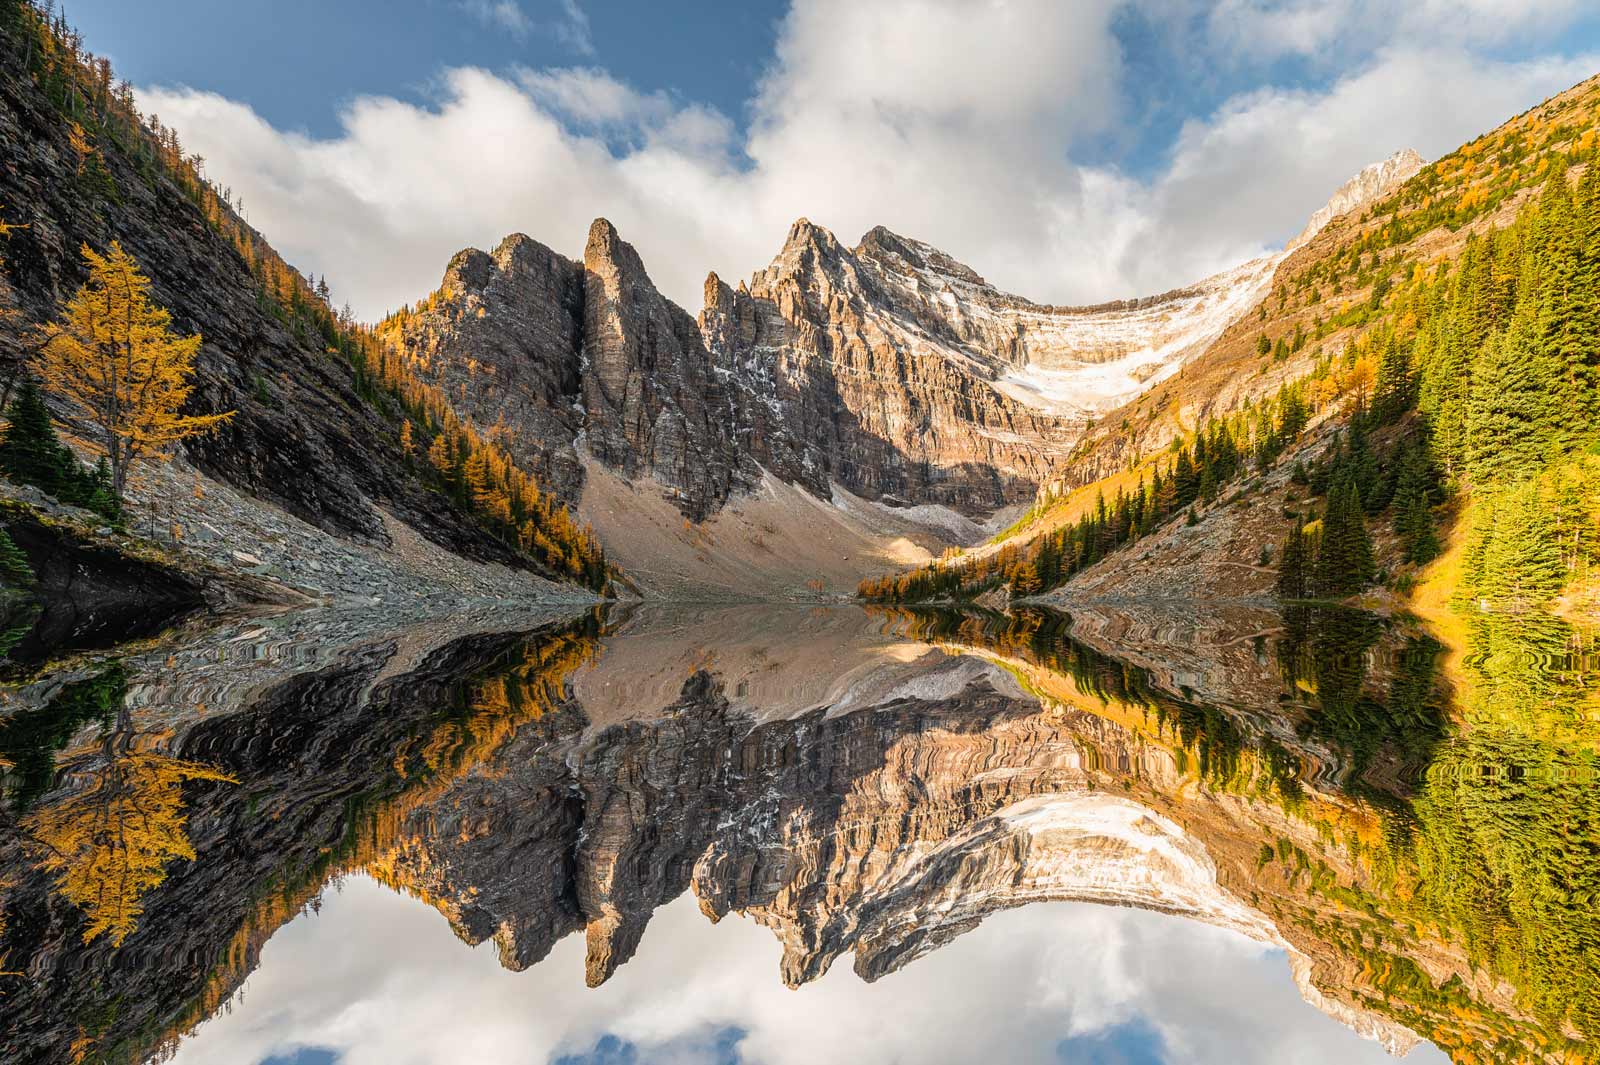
960 123
380 979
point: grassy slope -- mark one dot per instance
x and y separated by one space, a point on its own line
1427 220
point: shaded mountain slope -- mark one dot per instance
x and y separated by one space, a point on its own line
314 433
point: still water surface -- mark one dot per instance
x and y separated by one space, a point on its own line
1168 833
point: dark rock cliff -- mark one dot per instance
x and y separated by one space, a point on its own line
90 595
303 438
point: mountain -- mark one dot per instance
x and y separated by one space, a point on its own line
1373 181
310 486
1416 357
888 382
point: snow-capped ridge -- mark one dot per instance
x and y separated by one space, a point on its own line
1371 182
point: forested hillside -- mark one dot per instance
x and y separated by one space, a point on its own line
329 424
1429 359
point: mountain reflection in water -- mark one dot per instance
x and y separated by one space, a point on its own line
1395 825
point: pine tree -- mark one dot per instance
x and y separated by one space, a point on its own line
1522 559
1446 391
1344 561
1512 409
14 569
1566 295
30 452
1413 519
1395 391
1185 482
101 495
1292 563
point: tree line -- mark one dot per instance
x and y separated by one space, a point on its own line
1191 477
442 448
1491 374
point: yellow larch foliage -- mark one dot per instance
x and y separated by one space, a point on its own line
110 844
114 355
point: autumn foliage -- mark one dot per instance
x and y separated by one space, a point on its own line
105 126
111 843
114 355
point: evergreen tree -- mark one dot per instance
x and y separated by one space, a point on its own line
1185 482
1445 392
1567 300
14 569
1413 518
1293 564
1362 463
1522 560
30 452
100 494
1344 561
1395 391
1512 407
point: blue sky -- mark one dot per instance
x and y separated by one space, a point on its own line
297 62
1071 152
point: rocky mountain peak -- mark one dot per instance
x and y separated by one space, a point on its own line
606 254
469 270
805 237
914 256
718 296
518 258
1370 183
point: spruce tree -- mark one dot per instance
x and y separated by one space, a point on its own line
1395 392
101 495
1344 561
14 569
1522 560
1445 392
1292 563
1566 295
30 452
1362 463
1413 519
1512 409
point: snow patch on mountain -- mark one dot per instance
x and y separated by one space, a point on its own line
1091 362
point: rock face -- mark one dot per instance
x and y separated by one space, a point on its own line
889 369
543 351
92 596
653 400
855 373
304 438
1374 181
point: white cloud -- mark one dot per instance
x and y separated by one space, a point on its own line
381 979
570 25
500 14
574 28
954 122
1334 29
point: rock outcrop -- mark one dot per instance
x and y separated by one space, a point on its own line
889 370
306 437
1374 181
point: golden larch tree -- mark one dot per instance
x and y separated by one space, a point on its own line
110 844
113 353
